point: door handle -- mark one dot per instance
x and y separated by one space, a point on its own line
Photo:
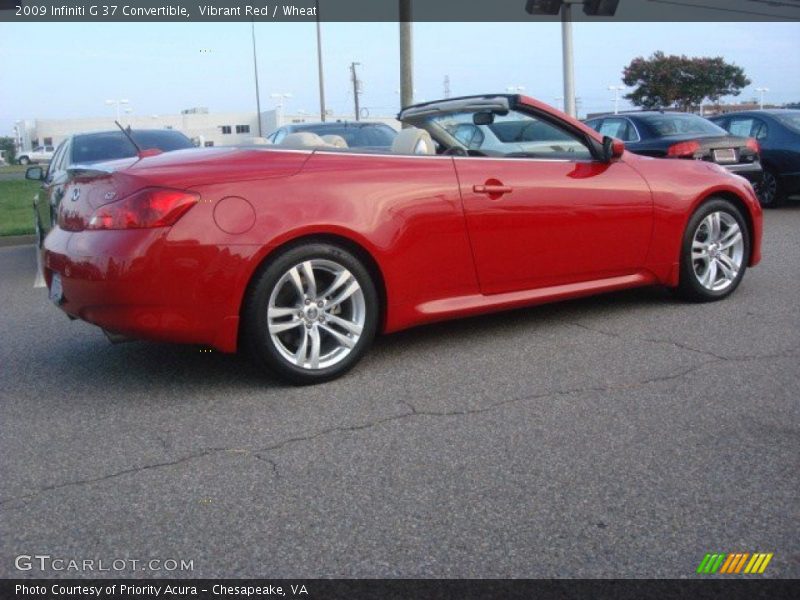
492 189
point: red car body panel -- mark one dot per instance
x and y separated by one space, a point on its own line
436 248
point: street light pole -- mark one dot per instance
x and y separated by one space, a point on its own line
592 8
762 91
406 55
616 89
319 68
568 59
255 72
116 103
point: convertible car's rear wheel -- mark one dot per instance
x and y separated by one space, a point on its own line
311 314
716 246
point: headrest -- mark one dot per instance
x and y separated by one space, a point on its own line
335 140
413 141
302 140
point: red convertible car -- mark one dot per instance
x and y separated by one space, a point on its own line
301 252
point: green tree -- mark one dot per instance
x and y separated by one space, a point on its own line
8 148
681 82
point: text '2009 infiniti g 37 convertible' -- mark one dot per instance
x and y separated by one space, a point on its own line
301 252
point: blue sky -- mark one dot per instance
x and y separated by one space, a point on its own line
69 70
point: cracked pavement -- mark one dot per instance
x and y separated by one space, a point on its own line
618 436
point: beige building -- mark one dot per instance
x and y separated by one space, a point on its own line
204 127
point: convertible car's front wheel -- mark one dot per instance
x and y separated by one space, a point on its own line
715 250
311 313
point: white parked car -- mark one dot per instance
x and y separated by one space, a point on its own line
39 154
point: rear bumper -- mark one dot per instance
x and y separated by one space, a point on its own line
750 171
137 284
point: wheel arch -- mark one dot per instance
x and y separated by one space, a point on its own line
738 202
348 242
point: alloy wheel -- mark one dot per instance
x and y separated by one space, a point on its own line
316 314
717 251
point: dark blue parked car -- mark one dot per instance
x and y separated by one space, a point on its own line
778 134
668 134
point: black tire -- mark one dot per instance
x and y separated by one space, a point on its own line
690 288
24 160
769 191
256 337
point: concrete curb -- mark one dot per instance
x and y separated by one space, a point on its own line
17 240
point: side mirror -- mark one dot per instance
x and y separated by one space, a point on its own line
612 148
34 173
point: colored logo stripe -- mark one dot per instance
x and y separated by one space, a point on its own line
734 562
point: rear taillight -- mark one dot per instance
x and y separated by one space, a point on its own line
683 149
753 145
150 207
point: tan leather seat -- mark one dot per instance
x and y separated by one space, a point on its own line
413 141
303 140
336 141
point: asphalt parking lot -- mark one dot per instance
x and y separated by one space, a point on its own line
618 436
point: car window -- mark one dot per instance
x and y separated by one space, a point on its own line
618 128
95 147
514 134
595 124
56 164
741 126
678 124
278 136
380 136
469 135
759 130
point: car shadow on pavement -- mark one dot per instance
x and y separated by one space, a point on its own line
151 365
492 323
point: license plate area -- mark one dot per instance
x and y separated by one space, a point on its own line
725 155
56 291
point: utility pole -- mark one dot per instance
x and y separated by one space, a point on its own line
406 55
447 86
356 86
255 72
319 67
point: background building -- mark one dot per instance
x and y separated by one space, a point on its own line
206 128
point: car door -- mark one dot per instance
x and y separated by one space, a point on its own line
547 212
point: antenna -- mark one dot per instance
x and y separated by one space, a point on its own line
129 136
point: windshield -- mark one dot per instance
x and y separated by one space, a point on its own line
510 133
673 124
111 145
791 120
